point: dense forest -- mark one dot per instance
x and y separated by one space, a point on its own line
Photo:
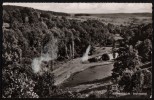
27 33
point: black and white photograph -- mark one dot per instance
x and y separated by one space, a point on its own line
77 50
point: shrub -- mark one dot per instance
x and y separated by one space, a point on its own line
16 84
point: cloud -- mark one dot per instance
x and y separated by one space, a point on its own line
90 7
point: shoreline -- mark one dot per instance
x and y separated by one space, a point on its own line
87 66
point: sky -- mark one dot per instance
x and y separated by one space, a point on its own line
90 7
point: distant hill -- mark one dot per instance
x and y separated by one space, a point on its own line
118 15
10 7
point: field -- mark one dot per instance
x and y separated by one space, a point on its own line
118 19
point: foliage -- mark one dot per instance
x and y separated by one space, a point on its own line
137 50
128 58
145 50
126 81
44 83
16 83
138 81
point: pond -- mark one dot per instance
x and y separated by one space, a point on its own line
90 74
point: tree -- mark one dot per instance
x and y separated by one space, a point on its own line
124 67
17 83
145 50
110 27
45 15
137 80
147 83
128 58
142 81
126 81
146 31
44 83
50 24
6 17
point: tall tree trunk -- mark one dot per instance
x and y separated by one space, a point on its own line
73 49
72 46
51 66
113 48
66 54
70 51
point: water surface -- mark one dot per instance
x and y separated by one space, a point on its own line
90 74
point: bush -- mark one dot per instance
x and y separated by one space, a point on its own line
16 84
44 84
6 17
